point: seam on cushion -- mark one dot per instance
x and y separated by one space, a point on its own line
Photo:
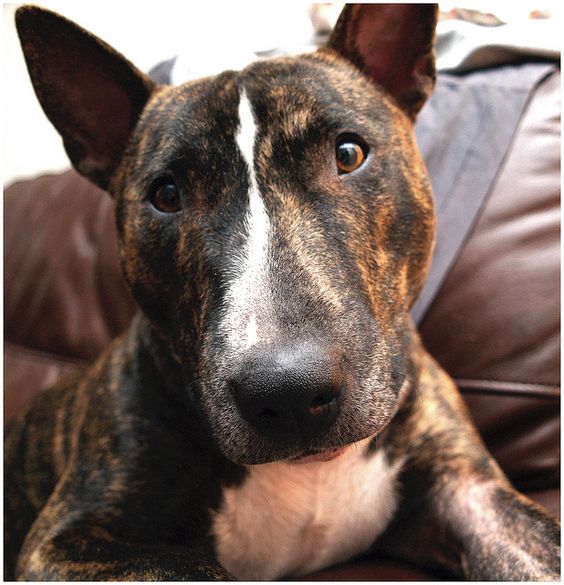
509 388
44 356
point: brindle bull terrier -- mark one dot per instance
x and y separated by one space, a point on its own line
271 410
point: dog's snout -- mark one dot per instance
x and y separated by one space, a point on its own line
290 390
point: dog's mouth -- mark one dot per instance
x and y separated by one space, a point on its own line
279 412
319 456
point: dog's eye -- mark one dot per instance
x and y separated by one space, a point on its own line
165 197
349 155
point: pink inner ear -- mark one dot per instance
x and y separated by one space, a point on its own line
91 94
103 114
395 45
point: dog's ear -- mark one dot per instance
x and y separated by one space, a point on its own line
92 95
394 45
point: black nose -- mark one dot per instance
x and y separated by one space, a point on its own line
290 391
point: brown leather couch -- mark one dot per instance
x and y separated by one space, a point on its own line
494 324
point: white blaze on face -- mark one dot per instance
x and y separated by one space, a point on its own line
248 289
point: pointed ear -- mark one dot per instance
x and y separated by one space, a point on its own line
92 95
394 45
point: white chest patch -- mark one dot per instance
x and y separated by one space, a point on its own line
291 519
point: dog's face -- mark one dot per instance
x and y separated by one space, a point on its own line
275 225
244 234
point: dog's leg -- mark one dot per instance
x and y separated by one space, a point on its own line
480 530
129 498
66 545
503 534
458 506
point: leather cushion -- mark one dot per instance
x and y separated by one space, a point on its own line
494 325
64 292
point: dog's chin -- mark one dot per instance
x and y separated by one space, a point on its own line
244 444
321 451
295 457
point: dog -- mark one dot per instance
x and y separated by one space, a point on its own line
271 410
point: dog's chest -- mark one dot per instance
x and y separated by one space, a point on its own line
291 519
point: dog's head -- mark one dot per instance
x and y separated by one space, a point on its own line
275 224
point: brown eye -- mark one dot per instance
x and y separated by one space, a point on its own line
349 155
165 197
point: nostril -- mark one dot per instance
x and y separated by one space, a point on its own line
268 413
322 402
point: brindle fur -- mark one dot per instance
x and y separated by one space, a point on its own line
113 474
